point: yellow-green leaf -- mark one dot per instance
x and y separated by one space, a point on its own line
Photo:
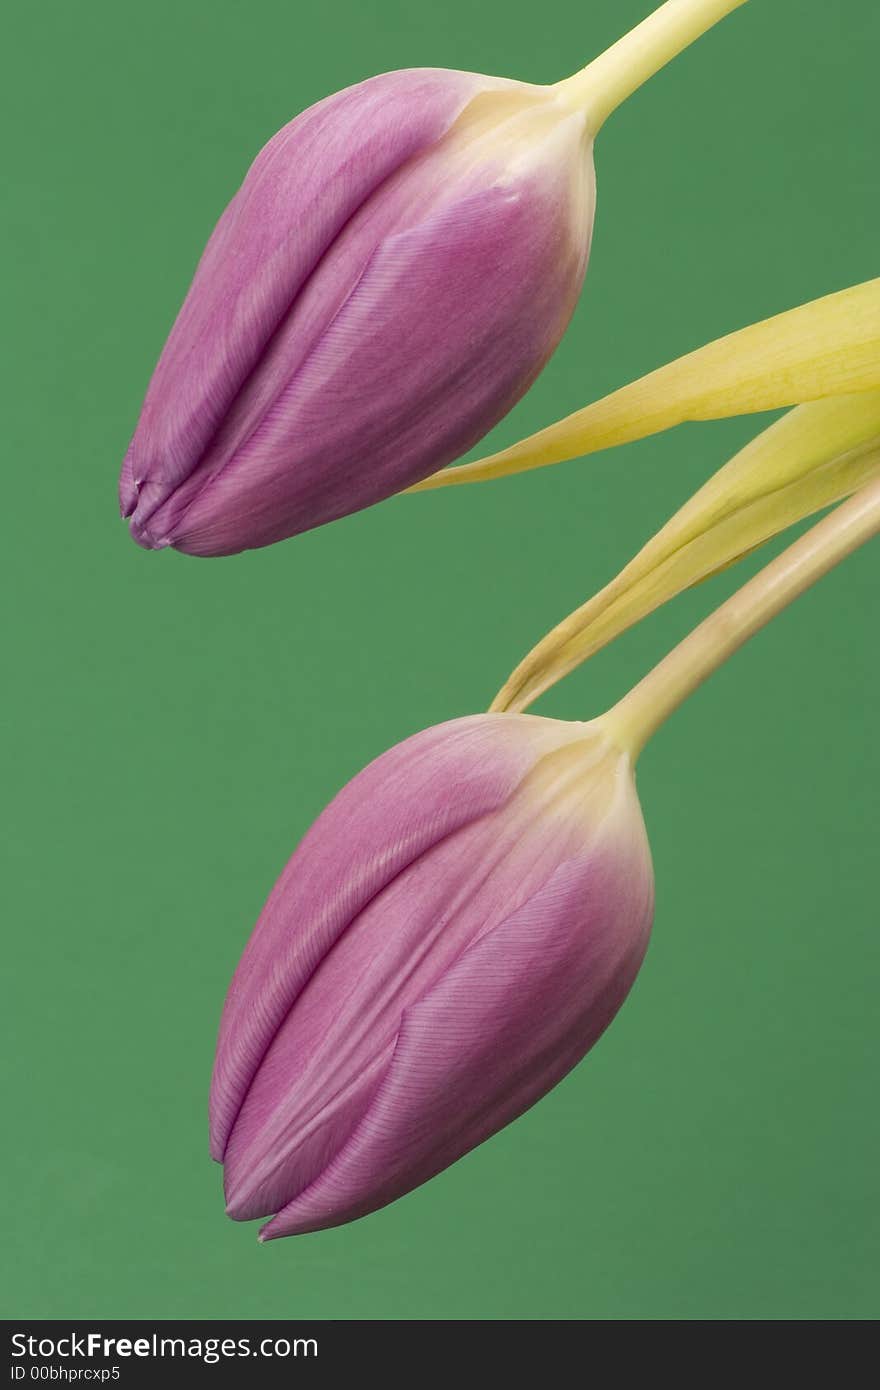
828 347
814 456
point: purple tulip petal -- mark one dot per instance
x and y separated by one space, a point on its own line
318 1073
388 281
303 187
502 1026
428 994
413 796
448 325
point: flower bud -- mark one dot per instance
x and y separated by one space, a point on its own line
397 267
452 936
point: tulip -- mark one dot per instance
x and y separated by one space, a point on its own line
455 932
399 264
450 938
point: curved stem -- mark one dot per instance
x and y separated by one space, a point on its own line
649 704
602 85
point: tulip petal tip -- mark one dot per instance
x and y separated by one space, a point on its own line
142 537
268 1231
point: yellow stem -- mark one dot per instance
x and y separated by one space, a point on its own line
602 85
649 704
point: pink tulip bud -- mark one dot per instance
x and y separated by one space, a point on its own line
452 936
397 267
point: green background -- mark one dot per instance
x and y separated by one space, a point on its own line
174 725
